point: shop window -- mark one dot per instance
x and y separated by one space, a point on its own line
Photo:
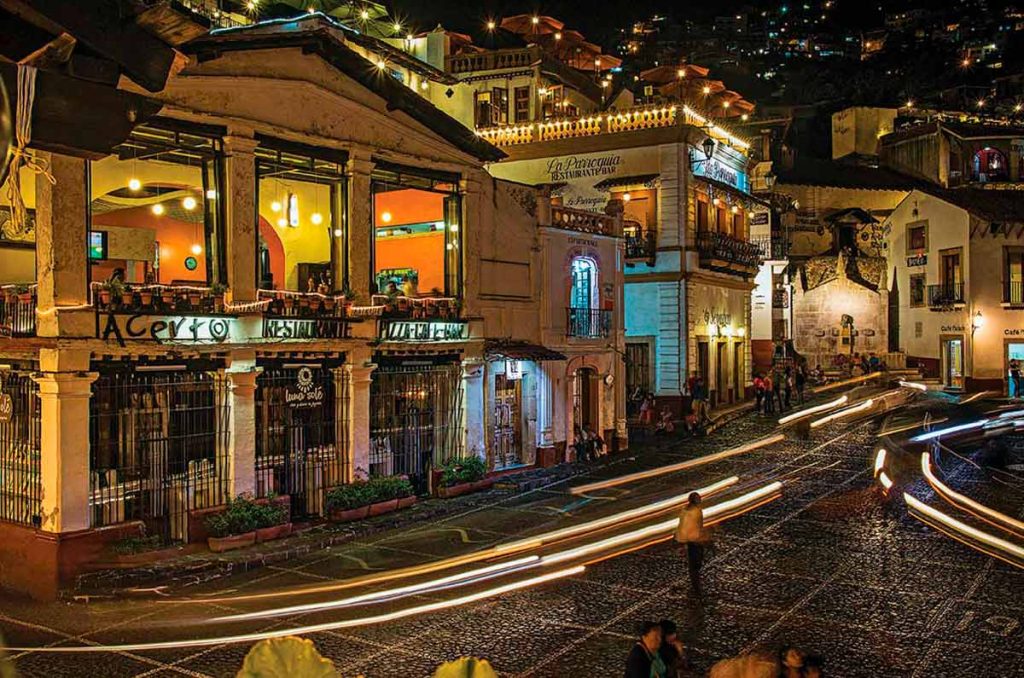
491 107
989 164
302 218
156 209
417 225
917 287
522 104
584 293
917 238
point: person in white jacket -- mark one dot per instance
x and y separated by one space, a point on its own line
692 534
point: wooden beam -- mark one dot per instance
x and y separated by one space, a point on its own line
76 117
51 55
103 27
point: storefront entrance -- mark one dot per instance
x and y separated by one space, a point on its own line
1015 353
953 363
507 422
301 432
722 375
584 404
415 418
158 445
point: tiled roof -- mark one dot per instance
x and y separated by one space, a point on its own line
817 172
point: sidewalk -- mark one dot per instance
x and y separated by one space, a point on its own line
196 565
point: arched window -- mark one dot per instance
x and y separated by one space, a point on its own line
584 283
989 165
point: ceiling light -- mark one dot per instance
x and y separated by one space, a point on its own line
197 248
275 206
386 217
316 218
282 222
189 203
158 209
134 184
337 233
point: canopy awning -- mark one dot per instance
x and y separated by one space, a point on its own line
632 180
519 350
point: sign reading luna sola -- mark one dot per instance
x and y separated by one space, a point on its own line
305 393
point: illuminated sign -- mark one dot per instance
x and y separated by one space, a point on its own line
166 329
305 328
513 370
403 330
305 393
717 170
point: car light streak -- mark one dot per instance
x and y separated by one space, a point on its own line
314 628
462 579
981 511
681 466
860 407
885 481
845 382
824 407
879 460
965 530
910 427
932 435
914 385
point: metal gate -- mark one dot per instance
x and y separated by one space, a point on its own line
21 490
506 424
301 433
158 446
415 419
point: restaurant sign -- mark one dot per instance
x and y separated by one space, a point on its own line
305 393
171 329
718 171
423 331
305 328
917 260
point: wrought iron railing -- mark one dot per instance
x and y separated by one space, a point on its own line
1013 293
17 312
21 491
718 248
772 247
583 221
588 323
641 242
945 294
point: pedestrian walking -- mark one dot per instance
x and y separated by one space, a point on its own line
672 651
801 382
1015 375
769 385
758 392
647 414
643 660
777 380
691 534
788 387
699 396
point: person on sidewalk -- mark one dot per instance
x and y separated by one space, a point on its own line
769 403
699 394
758 392
643 660
693 536
801 381
672 651
776 393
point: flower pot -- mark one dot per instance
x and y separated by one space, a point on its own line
168 299
231 542
195 300
406 502
218 303
348 515
105 297
146 298
273 532
454 490
382 507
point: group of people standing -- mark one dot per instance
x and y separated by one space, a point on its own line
775 390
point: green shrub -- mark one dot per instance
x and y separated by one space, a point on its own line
347 497
458 470
132 545
242 515
271 513
385 488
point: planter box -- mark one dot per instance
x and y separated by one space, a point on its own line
349 515
406 502
382 507
485 484
465 488
235 541
273 532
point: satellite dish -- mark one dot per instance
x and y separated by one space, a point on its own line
6 132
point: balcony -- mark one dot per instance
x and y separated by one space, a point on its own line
945 296
418 308
641 243
115 295
583 221
1013 294
495 60
587 323
18 311
772 248
721 252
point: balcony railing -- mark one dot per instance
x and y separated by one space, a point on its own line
17 311
588 323
583 221
1013 294
945 295
288 304
772 248
140 298
493 60
641 243
446 308
719 251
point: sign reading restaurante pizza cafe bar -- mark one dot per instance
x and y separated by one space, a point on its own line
413 330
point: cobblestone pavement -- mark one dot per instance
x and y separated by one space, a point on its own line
830 567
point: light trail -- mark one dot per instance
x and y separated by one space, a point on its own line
845 382
931 435
681 466
314 628
925 421
914 385
981 511
855 409
824 407
965 530
880 460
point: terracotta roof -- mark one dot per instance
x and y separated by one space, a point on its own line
988 204
326 38
817 172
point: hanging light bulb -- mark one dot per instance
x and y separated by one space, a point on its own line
134 184
337 233
386 217
316 218
189 203
158 209
282 222
275 206
197 248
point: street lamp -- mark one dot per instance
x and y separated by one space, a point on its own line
976 322
709 148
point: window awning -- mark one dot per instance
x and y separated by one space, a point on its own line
633 180
519 350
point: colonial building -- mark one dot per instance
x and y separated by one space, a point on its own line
281 269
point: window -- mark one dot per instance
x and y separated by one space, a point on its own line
482 109
1013 275
737 226
917 238
584 283
522 104
499 106
417 220
301 210
917 286
158 201
989 164
702 216
722 220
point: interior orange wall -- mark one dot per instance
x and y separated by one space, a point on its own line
276 250
174 237
423 252
408 206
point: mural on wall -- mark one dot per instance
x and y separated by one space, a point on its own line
8 231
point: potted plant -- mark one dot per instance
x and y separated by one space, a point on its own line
404 492
111 292
461 475
384 496
24 293
289 303
235 527
195 299
346 503
348 298
218 290
167 298
272 520
145 296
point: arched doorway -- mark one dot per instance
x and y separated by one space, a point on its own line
584 399
989 164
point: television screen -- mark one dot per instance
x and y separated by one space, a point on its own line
97 244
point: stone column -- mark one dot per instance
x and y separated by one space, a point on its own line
241 377
360 377
64 393
360 224
470 228
62 212
241 220
473 407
